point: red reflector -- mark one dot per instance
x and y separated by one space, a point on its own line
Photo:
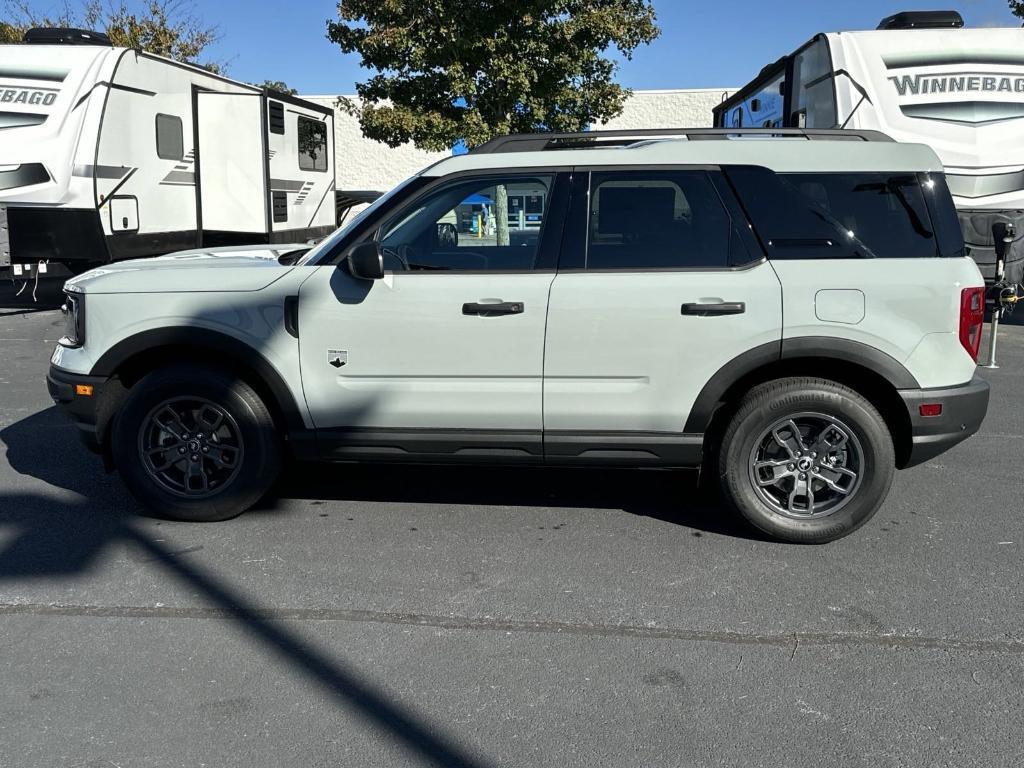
931 409
972 317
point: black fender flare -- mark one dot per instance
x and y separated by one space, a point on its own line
743 365
209 340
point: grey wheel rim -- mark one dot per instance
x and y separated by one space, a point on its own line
191 447
806 466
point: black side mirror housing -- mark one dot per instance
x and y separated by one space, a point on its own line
366 261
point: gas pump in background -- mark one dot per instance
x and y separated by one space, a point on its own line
1003 295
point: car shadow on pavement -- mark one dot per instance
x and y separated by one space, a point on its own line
673 497
58 534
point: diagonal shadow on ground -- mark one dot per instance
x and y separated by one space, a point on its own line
55 535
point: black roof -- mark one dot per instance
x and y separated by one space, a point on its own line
923 20
65 36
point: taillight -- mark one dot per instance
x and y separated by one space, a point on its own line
972 319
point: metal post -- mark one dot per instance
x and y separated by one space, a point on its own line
997 312
997 308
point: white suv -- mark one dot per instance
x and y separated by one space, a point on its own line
755 304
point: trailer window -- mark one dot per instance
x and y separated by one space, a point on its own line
170 140
312 144
814 97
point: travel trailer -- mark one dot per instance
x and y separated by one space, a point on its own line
920 77
109 153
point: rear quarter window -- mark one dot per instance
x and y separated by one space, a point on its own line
844 215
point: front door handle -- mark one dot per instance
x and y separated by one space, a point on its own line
717 308
488 309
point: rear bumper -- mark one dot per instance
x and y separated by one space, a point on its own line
83 409
963 410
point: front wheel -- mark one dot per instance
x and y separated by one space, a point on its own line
806 460
195 444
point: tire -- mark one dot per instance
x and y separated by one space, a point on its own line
179 460
761 460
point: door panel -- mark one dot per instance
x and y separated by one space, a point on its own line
412 358
622 356
652 309
451 341
232 182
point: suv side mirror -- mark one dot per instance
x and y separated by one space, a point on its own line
366 262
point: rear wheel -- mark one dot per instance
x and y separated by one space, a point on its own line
806 460
195 444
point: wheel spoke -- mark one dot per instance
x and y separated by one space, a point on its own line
823 445
196 480
833 482
787 442
779 471
801 489
170 421
211 418
163 458
223 456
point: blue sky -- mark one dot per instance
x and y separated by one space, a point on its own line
703 44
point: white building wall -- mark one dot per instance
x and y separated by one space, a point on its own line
362 164
669 109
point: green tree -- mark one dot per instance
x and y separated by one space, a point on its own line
450 70
167 28
1017 8
276 85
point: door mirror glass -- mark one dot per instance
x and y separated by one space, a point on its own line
366 262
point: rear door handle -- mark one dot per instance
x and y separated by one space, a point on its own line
487 309
717 308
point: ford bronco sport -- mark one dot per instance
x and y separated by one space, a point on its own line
750 302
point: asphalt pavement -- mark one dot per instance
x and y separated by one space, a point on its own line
386 616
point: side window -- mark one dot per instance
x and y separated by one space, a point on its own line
837 215
474 224
170 141
312 144
657 220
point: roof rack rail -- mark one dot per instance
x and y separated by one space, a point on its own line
534 142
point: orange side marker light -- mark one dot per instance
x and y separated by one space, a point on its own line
84 390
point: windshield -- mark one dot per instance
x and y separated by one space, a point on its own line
328 243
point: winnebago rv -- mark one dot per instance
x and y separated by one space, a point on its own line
108 153
920 77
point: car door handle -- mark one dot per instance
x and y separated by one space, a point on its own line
717 308
487 309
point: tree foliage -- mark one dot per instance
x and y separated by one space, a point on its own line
276 85
167 28
450 70
1017 8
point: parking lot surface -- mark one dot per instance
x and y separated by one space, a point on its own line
383 616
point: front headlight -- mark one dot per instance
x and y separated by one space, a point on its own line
74 320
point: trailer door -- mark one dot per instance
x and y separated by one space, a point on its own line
231 168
